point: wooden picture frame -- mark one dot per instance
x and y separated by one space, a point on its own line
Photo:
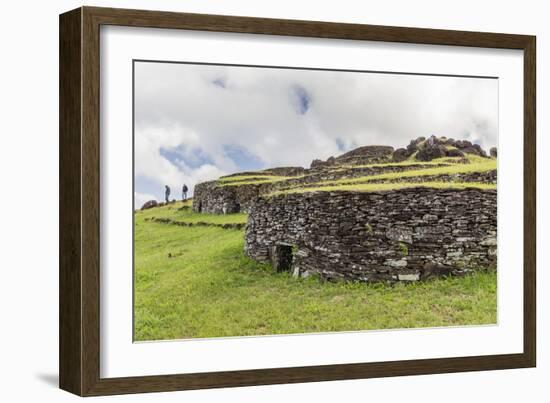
79 348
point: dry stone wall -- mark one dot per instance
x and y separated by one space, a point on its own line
400 235
210 197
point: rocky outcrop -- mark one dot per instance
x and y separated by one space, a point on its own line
437 147
357 156
365 155
224 198
401 235
401 154
431 152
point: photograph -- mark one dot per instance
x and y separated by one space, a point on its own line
276 200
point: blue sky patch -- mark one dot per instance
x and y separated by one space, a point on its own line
219 82
147 185
243 159
340 144
302 99
194 158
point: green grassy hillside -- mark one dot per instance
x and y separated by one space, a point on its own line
445 172
196 282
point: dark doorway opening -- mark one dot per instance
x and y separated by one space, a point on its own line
281 257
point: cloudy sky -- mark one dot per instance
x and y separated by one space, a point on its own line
196 122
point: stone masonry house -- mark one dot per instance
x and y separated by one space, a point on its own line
372 214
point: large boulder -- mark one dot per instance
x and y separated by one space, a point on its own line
432 141
471 150
463 144
316 163
413 145
149 204
401 154
454 152
493 152
437 147
449 141
431 151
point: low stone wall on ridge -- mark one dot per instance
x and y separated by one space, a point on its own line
400 235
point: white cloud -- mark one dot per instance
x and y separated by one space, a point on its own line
185 109
152 165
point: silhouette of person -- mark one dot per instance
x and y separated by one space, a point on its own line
184 190
167 193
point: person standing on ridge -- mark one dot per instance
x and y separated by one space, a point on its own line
184 190
167 193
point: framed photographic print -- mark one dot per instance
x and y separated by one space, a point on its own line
249 201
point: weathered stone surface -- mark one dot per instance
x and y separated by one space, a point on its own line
436 147
434 269
317 163
431 152
400 233
396 263
455 153
490 241
493 152
211 198
365 154
401 154
357 156
429 217
408 277
378 236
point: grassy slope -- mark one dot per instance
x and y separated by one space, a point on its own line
475 164
409 161
251 179
210 289
173 211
